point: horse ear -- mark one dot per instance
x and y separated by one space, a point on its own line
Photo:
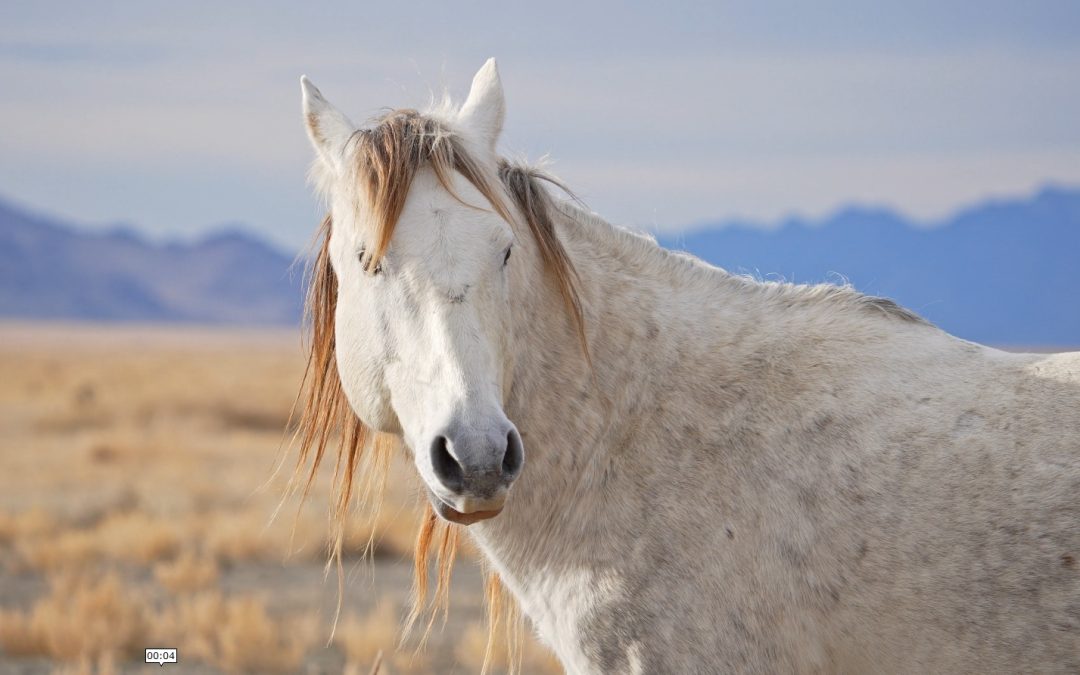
327 127
483 111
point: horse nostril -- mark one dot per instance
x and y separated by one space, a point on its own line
514 457
447 469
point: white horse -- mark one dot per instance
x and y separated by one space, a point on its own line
674 469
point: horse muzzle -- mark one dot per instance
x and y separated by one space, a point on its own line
473 472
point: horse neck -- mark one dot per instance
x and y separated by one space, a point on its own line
574 419
683 354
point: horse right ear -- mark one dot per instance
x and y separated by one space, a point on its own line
484 109
328 129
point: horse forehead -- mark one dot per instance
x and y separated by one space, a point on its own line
442 233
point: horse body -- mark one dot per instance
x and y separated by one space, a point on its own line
785 478
740 476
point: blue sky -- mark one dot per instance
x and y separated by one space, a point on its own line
178 117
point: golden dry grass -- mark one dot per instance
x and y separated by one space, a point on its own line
136 488
187 573
237 634
473 644
373 639
80 619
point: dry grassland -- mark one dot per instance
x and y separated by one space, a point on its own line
136 489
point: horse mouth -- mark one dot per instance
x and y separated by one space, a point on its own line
447 512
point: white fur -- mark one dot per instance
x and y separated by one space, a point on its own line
753 478
482 114
334 127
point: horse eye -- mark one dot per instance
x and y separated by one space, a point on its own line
365 262
506 258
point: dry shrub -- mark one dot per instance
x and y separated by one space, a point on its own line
236 634
121 444
7 528
363 639
191 624
381 532
80 619
253 642
83 667
138 538
71 549
250 535
231 416
103 453
132 537
74 421
535 658
380 665
236 536
187 573
373 639
35 522
18 636
106 665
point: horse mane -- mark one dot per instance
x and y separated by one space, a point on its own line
840 294
387 158
820 296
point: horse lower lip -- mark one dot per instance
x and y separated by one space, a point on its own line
453 515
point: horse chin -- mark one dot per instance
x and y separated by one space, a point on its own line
447 512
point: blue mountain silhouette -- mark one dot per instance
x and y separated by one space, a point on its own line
51 270
1003 272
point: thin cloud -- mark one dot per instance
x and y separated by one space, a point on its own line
663 120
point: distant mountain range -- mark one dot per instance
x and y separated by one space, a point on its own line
1002 272
51 270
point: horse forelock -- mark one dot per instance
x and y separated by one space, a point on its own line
387 156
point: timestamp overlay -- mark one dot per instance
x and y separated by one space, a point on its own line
161 656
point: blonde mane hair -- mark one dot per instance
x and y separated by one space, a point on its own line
387 157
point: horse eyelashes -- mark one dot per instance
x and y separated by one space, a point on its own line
506 258
365 262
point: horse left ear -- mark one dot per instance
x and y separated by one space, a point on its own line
327 127
483 111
